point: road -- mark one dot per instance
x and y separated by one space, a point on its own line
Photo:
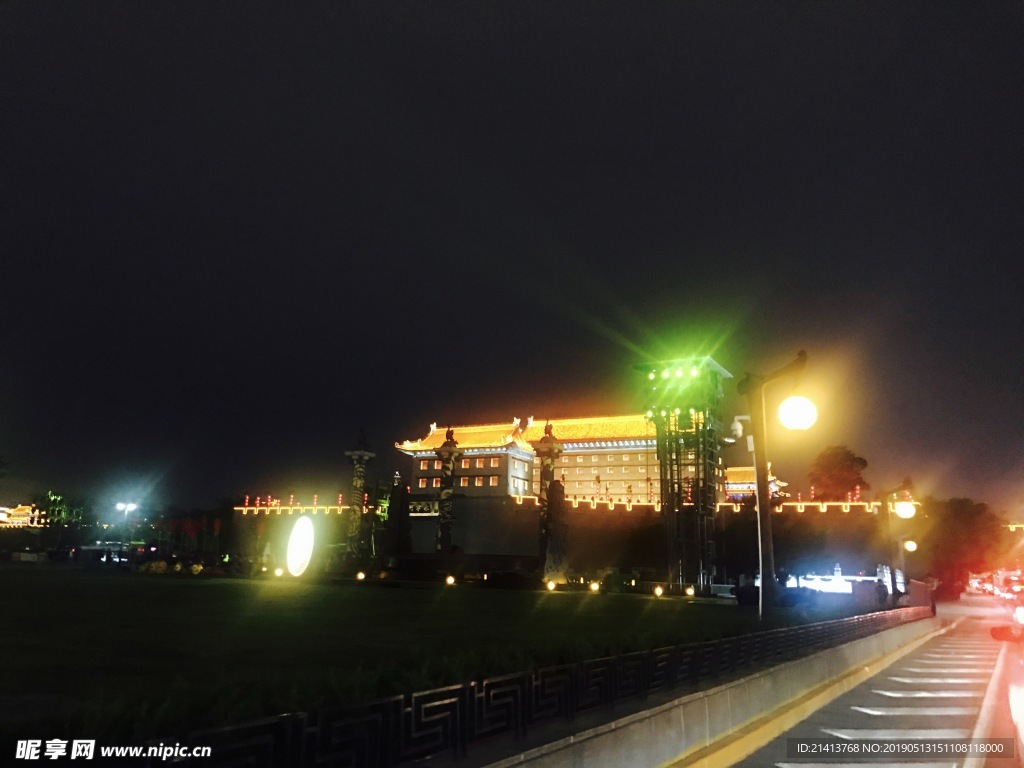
939 691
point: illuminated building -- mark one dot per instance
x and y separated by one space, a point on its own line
23 515
606 458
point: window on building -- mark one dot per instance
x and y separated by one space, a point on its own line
423 482
579 470
478 482
463 481
494 481
479 463
437 482
579 459
437 464
593 470
495 461
465 463
610 470
424 464
594 458
625 457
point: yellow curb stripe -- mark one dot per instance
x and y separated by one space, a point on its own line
735 746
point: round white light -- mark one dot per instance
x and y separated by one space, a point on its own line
904 509
450 580
690 591
594 586
910 545
551 586
797 412
658 591
300 546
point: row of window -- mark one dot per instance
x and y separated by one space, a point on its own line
464 482
517 464
598 457
611 470
479 463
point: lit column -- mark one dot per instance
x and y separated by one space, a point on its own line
448 453
552 544
360 458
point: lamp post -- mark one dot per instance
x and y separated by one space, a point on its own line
904 510
126 508
752 386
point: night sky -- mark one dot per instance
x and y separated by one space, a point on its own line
233 234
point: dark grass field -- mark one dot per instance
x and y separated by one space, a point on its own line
140 656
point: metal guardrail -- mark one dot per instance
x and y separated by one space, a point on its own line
446 721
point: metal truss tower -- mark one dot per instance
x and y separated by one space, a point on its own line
684 404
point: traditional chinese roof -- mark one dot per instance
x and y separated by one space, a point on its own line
630 427
497 436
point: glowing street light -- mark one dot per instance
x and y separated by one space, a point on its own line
910 545
904 510
126 507
797 412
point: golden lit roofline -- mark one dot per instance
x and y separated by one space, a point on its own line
587 428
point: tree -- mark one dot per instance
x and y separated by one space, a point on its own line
959 536
836 472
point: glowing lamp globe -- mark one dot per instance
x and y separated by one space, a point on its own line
904 509
910 545
798 413
300 546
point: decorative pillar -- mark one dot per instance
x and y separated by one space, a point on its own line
551 500
360 458
448 453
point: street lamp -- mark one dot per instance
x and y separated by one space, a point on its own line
796 413
904 510
126 508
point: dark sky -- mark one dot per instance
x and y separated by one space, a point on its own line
232 234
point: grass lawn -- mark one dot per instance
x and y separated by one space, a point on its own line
104 654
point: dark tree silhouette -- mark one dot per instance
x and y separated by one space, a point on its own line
836 472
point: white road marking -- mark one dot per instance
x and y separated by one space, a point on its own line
921 711
856 734
948 670
931 694
949 680
861 765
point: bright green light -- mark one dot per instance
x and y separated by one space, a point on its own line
651 376
664 374
694 371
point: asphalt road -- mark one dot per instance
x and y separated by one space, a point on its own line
934 695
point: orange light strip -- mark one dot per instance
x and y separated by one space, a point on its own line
298 509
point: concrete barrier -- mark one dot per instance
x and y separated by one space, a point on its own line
687 730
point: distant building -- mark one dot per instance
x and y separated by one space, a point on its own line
604 458
21 516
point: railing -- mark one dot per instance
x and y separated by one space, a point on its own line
446 721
